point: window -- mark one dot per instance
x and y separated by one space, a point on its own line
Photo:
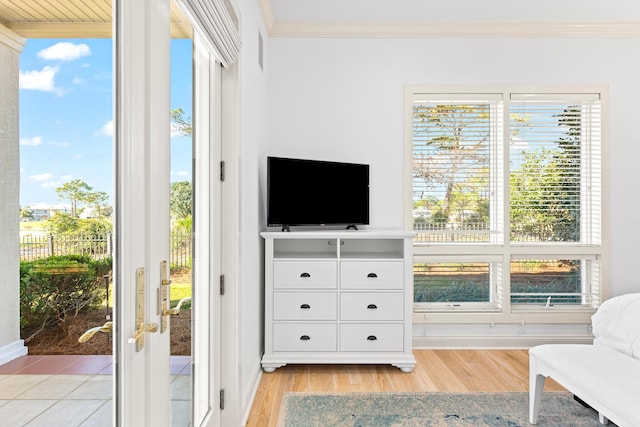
506 191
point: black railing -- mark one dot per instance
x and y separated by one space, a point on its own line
35 246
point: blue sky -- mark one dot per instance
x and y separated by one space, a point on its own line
66 127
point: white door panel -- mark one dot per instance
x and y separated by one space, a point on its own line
142 43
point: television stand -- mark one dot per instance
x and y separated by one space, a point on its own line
350 226
338 297
285 227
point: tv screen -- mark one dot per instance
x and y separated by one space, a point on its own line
314 192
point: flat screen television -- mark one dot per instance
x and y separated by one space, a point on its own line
304 192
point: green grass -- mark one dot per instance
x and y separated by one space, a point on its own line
179 291
32 225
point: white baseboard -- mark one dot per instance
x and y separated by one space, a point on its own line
248 398
493 342
12 351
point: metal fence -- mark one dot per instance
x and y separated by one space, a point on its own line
98 246
451 232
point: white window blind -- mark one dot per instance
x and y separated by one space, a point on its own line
558 281
454 148
555 157
514 177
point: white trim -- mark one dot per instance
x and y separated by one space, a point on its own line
267 14
12 351
11 39
206 262
479 342
252 390
218 22
453 29
231 375
447 29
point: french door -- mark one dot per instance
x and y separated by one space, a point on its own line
142 220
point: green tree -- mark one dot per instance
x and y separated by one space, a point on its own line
529 215
568 158
180 123
181 198
62 223
75 192
26 214
545 190
98 202
456 142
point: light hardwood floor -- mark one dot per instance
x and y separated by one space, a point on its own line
436 370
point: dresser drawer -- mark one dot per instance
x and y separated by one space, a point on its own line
372 306
305 306
372 275
305 274
372 337
304 337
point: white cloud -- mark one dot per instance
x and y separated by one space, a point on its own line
182 173
66 177
41 177
65 51
78 81
106 130
59 143
39 80
33 142
50 184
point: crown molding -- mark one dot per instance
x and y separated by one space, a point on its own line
453 29
501 29
267 14
12 39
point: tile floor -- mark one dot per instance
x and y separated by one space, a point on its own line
69 391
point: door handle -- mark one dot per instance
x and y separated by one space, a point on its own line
139 334
163 296
141 325
176 310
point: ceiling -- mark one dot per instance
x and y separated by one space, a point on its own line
360 18
69 18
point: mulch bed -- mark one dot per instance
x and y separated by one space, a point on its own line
63 339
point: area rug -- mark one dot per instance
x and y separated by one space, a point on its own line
430 409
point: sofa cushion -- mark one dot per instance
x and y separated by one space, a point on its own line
616 324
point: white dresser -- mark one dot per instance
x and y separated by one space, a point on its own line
338 297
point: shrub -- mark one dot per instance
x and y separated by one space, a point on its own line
54 288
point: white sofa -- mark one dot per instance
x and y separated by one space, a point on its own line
605 375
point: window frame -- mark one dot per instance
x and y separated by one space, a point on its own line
503 252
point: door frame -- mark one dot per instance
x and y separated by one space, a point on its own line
207 220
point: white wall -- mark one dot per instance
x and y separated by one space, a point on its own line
11 346
342 99
253 137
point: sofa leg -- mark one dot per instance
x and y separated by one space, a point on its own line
536 384
603 420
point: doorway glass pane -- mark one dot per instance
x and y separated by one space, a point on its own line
181 203
65 240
